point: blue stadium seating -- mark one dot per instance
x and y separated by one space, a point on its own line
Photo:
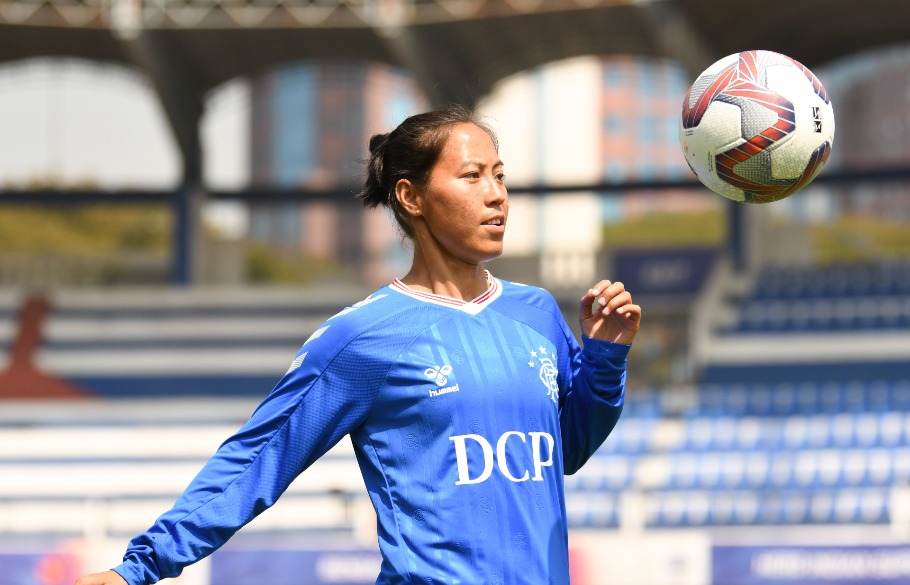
886 279
805 398
825 299
752 454
779 507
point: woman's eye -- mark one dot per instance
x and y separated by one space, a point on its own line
473 175
500 177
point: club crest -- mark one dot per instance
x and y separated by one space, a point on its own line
548 372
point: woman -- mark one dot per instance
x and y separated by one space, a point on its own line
466 397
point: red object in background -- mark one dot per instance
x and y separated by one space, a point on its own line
21 379
57 569
578 570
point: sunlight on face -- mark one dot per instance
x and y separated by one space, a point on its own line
466 204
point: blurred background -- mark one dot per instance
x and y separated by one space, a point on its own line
177 216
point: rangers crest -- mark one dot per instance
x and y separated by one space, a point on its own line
548 371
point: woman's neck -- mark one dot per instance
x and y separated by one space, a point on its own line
453 279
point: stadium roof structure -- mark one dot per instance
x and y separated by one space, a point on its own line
457 49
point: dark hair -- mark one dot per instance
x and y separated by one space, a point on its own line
409 152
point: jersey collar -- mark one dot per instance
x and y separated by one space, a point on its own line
474 306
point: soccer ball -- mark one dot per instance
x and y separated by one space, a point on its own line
756 126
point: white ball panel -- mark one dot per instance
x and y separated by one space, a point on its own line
789 158
720 64
718 130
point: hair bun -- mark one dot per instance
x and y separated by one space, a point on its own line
377 141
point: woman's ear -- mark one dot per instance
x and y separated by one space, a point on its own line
409 197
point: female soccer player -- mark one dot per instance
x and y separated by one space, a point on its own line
466 397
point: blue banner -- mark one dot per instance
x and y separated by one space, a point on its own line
37 568
810 565
295 567
664 272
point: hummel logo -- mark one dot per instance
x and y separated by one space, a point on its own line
439 373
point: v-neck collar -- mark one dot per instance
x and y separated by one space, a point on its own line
474 306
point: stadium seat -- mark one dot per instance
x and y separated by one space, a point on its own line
752 433
821 507
830 398
684 471
843 430
746 508
805 469
759 401
830 465
593 510
643 404
783 400
780 470
819 431
654 472
794 508
807 399
732 470
900 396
854 397
723 505
900 465
795 432
699 434
631 436
708 470
880 467
698 508
891 429
736 400
759 469
846 507
771 509
878 396
873 506
609 472
668 510
866 429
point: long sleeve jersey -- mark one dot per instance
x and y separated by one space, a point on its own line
464 418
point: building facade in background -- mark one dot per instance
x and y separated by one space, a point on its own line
872 107
311 123
589 120
581 121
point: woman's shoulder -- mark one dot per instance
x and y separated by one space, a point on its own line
366 314
371 325
530 294
358 338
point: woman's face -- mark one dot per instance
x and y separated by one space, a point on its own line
465 204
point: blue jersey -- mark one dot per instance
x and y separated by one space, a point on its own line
464 418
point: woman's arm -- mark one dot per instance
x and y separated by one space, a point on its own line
310 409
591 404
